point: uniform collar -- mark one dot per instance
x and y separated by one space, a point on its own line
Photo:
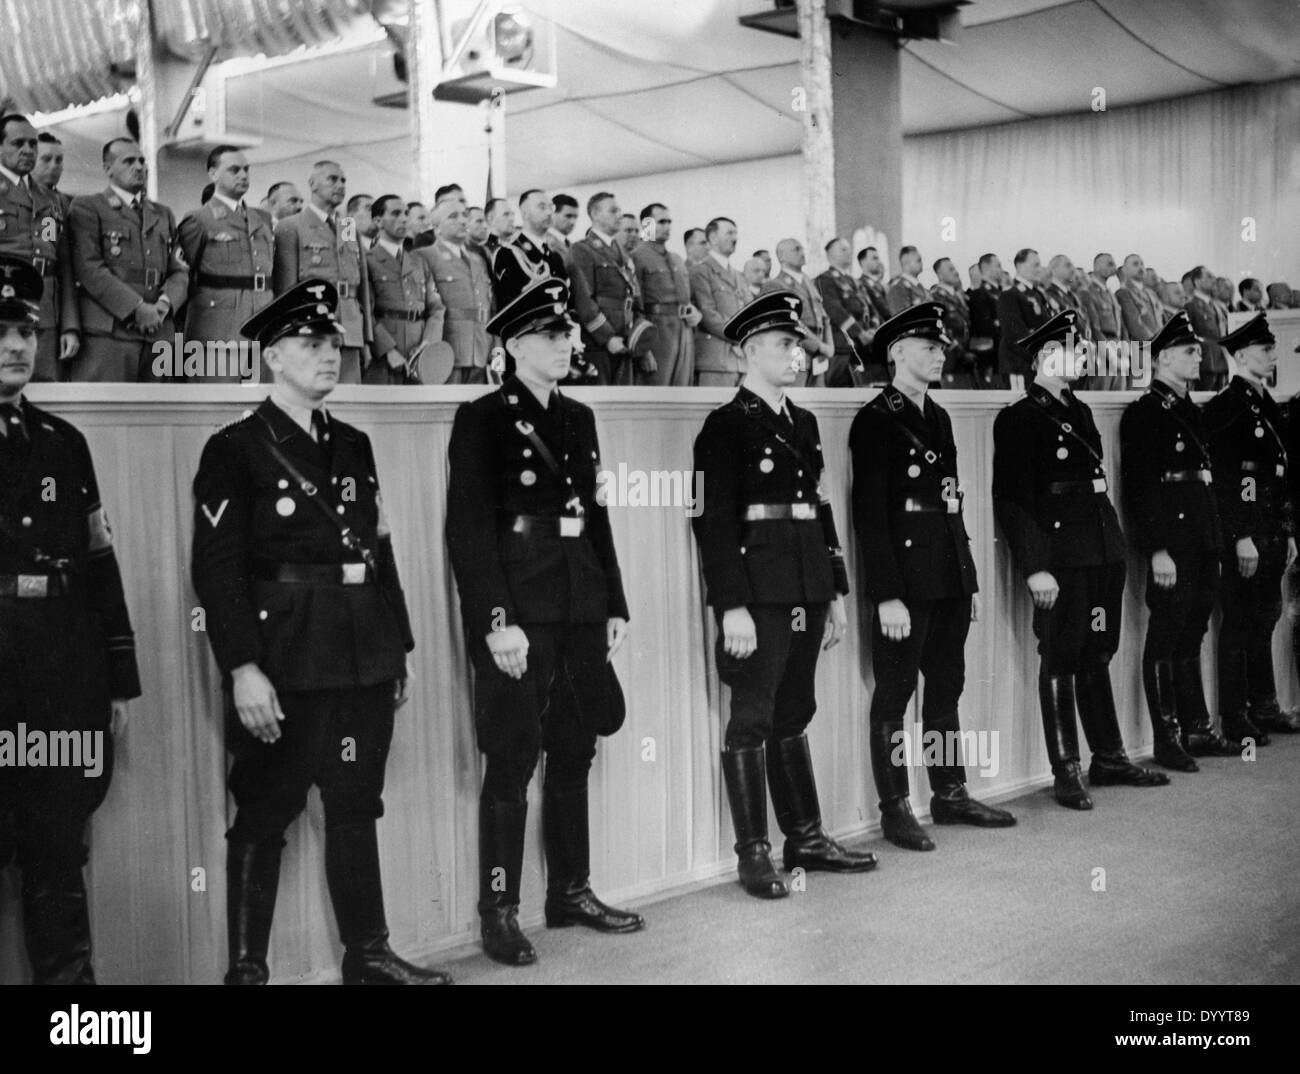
299 415
233 206
393 249
23 181
719 259
321 214
126 196
562 239
1166 391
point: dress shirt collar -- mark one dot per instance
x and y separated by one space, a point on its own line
301 415
17 180
232 205
126 195
720 259
319 211
395 249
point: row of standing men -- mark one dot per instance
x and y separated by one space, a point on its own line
311 631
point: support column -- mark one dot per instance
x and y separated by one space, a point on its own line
853 132
423 62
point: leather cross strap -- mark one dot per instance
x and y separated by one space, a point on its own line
1065 427
351 541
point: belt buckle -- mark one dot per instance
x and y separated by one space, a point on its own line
1281 470
259 281
344 289
1206 477
954 505
151 277
354 573
39 264
570 527
33 586
1098 484
805 511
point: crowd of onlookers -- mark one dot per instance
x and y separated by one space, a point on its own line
126 279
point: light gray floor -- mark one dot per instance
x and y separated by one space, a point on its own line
1201 886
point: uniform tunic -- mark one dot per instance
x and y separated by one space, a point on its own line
785 569
1251 480
34 226
531 546
270 570
63 655
1171 505
907 512
1050 497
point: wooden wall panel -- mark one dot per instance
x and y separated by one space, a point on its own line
658 818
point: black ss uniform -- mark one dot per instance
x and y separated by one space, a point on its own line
1020 309
531 547
1050 499
325 620
1168 494
907 514
66 650
1247 446
768 543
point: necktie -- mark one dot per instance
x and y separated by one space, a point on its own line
321 428
12 430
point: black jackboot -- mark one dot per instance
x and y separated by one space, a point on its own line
569 898
1200 738
1158 682
252 880
500 862
745 774
1110 764
954 805
1234 703
798 812
1056 699
899 825
1268 715
352 874
56 925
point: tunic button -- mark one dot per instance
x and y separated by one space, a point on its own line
801 473
742 549
339 509
799 494
907 543
261 615
282 484
767 451
1056 525
1181 515
27 520
528 453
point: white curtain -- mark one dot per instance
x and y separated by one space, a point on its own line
1173 181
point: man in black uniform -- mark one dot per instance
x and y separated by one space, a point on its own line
542 602
67 654
293 561
1250 478
1050 498
919 571
1165 461
776 582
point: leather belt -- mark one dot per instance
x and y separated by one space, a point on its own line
316 573
1065 488
383 313
462 313
764 512
46 266
32 586
346 289
548 525
1205 477
911 506
1262 468
658 308
255 282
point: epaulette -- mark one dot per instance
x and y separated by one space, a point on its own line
231 424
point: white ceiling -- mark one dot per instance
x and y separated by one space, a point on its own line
652 87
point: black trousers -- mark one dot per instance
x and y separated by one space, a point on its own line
773 690
1180 615
1251 607
568 696
1081 630
53 681
335 739
936 647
